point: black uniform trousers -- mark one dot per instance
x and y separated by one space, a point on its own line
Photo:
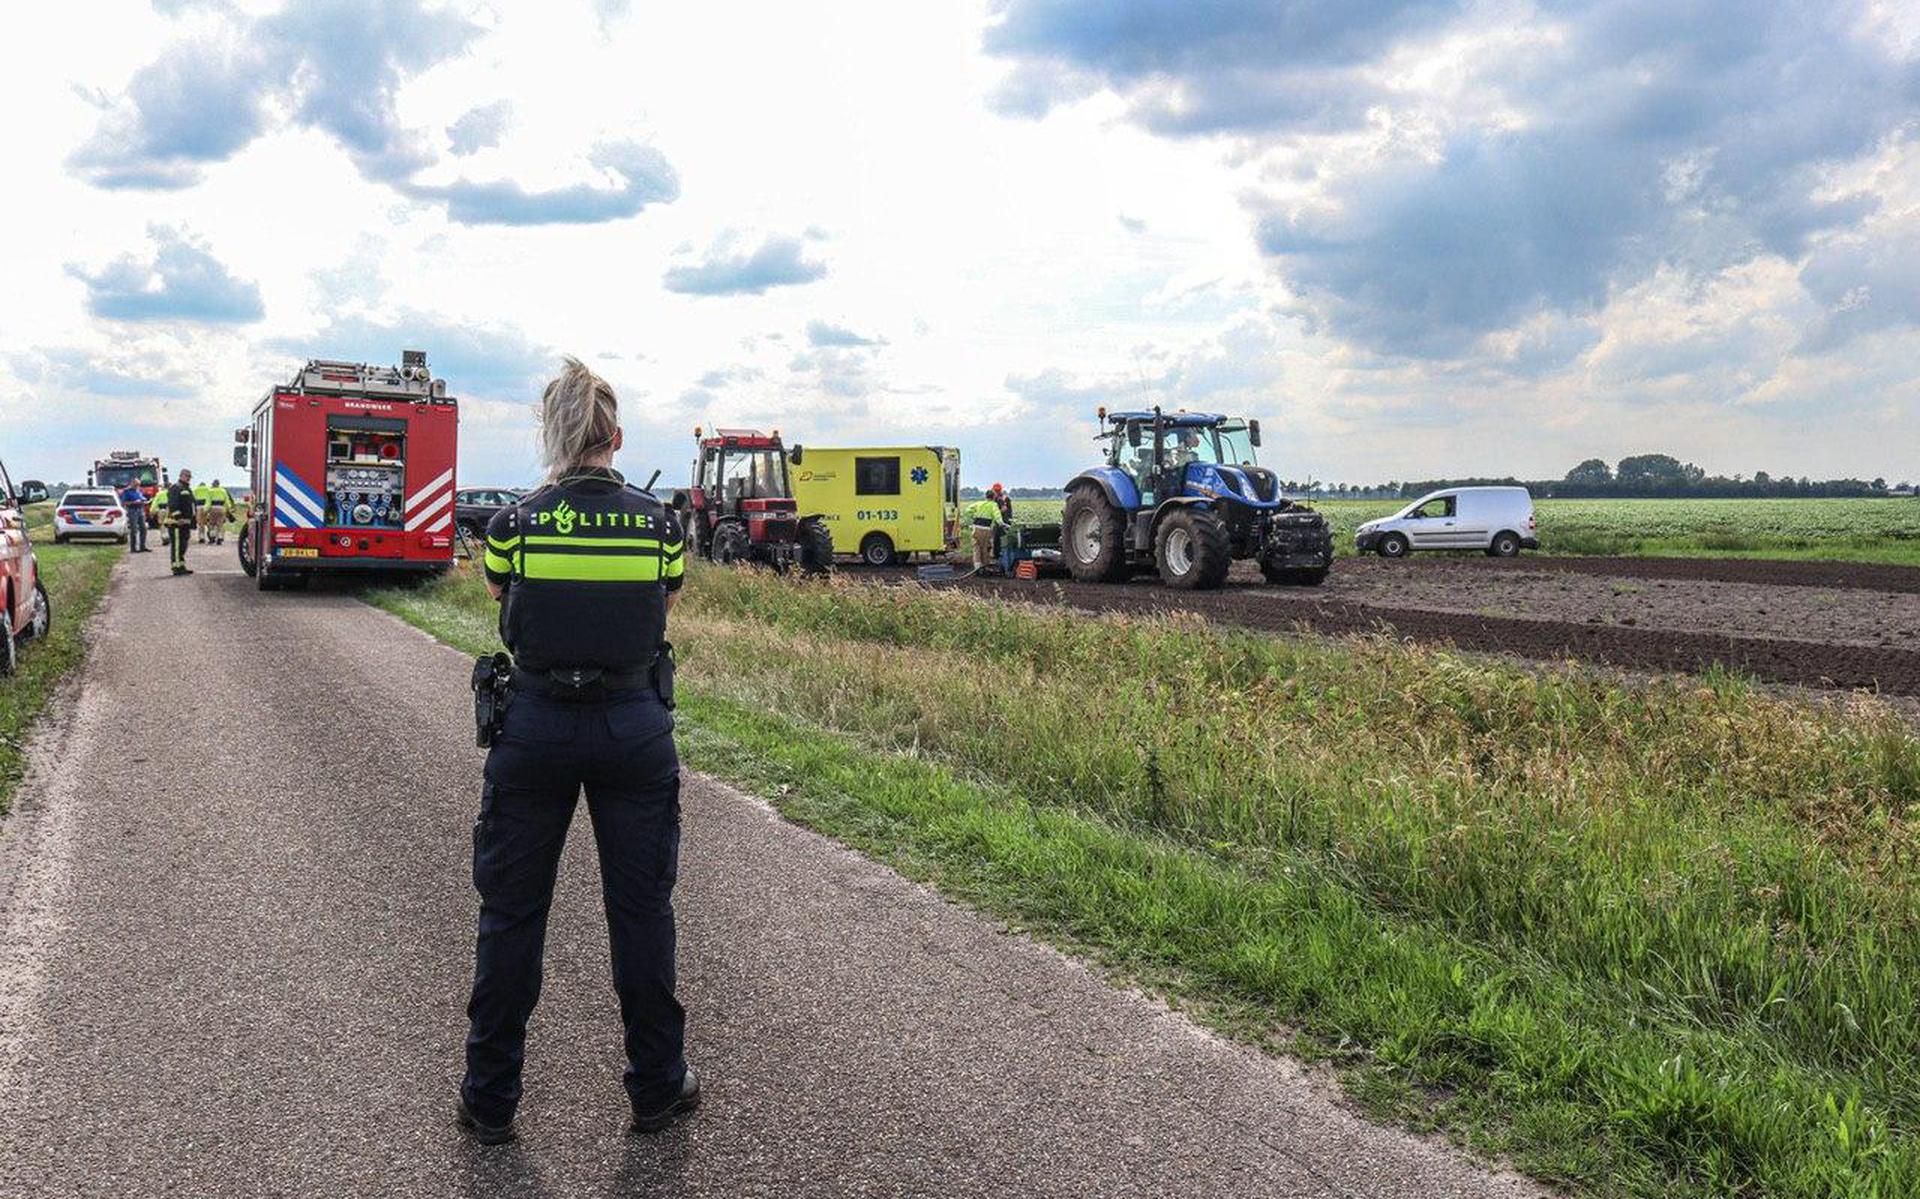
621 752
178 535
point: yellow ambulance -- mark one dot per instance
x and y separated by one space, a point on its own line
882 503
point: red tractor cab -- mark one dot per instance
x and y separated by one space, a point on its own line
740 507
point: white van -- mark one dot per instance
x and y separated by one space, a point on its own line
1495 520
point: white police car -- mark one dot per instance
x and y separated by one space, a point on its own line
89 512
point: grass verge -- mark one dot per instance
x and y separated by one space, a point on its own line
76 578
1647 941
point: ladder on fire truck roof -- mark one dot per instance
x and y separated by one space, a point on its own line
410 380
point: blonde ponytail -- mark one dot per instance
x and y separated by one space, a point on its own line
579 416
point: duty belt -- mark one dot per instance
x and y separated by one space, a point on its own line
582 685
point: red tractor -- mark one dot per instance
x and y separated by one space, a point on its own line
740 507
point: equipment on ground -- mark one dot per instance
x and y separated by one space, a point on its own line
353 469
884 503
121 467
741 506
1030 551
1182 493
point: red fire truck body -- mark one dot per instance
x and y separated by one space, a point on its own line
122 467
353 469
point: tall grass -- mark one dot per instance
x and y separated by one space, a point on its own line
76 578
1665 936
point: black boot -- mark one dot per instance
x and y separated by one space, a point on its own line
480 1130
679 1105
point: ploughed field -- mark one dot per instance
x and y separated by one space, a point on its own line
1854 530
1828 625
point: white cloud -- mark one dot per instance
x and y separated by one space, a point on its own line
509 181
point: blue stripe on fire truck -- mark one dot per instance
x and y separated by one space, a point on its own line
296 505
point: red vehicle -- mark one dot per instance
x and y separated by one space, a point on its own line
122 467
353 470
740 507
24 608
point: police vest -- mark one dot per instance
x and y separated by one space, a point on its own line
587 564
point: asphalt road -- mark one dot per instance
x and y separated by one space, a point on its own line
234 956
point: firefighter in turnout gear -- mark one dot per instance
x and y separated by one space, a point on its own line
586 570
985 517
179 521
200 512
213 514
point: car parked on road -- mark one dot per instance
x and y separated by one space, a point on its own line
89 512
25 610
473 507
1497 521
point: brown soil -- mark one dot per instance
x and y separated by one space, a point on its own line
1789 631
1799 612
1767 572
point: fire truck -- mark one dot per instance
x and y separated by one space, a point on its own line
122 467
353 470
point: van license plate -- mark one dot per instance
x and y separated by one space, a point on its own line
296 551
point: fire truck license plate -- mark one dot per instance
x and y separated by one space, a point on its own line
298 551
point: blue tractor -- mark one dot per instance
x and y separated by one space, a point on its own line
1181 493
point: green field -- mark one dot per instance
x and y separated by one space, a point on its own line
1650 940
1868 530
76 578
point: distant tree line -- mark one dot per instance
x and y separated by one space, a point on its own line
1662 476
1639 476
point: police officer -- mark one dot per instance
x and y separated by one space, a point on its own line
585 569
134 501
179 518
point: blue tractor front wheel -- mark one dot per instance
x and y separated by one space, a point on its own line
1192 549
1093 537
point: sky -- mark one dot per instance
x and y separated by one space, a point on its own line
1416 238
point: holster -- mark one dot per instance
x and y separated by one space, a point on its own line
663 674
491 676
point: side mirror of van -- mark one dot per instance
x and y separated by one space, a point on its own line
1253 433
33 491
793 455
242 457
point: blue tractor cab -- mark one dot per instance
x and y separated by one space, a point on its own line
1183 493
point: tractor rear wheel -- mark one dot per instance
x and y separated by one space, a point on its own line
1094 538
1192 550
816 547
